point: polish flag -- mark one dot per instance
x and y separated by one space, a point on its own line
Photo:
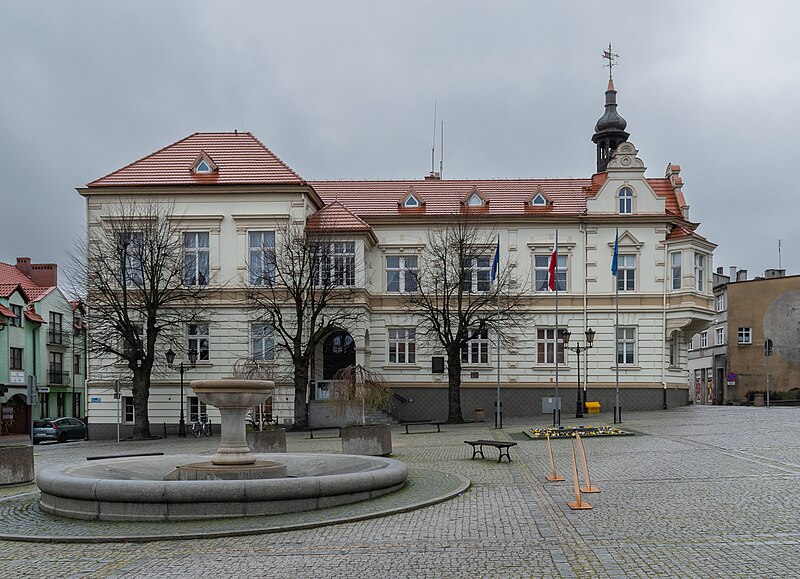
551 278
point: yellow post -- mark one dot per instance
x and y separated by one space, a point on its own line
553 477
577 504
588 488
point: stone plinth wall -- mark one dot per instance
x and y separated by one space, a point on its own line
16 464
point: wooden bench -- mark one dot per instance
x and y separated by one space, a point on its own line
338 430
438 425
477 447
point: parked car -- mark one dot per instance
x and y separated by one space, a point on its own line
58 429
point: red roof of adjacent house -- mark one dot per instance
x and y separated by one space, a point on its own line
31 315
445 197
681 232
240 159
337 217
11 277
4 311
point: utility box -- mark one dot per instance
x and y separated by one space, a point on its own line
550 403
593 407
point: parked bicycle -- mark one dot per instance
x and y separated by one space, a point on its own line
201 426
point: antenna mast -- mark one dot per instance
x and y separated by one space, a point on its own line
779 254
433 146
441 152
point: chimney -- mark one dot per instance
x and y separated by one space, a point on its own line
433 176
732 269
44 274
741 275
774 273
24 265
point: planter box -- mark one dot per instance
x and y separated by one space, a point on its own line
267 440
375 440
16 464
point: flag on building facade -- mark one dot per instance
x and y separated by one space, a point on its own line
616 252
496 261
551 277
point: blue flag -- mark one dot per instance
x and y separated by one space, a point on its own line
616 251
496 262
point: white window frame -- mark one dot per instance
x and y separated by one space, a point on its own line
401 345
720 302
411 201
203 167
406 272
262 342
699 271
704 339
198 341
690 345
719 336
676 258
12 360
261 256
626 346
745 335
194 254
196 408
625 200
478 274
548 342
539 200
541 272
626 272
475 200
476 350
337 264
18 311
128 412
133 265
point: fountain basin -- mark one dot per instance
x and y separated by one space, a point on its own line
138 489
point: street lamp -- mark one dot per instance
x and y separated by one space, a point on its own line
192 361
565 334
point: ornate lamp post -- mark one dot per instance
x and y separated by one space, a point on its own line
192 361
565 334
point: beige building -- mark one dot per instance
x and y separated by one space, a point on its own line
231 194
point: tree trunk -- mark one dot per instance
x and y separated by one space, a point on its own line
300 391
141 396
454 387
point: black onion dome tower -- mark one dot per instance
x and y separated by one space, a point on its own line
609 131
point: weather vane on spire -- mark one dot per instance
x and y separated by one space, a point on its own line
610 57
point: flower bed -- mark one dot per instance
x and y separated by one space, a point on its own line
569 432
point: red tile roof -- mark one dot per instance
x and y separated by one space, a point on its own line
31 315
11 277
681 232
337 217
4 311
443 197
240 158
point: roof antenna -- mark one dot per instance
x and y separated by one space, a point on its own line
441 152
779 254
433 145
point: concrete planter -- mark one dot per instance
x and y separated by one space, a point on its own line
16 464
267 440
375 440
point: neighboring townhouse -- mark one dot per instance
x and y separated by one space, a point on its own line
231 195
728 362
37 341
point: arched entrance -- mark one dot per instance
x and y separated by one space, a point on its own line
16 415
339 351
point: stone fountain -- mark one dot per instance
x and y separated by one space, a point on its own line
234 482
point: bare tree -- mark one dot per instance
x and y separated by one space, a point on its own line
133 271
456 300
304 287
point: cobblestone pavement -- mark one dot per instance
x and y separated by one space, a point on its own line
698 492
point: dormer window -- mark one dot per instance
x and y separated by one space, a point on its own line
539 200
474 200
203 164
625 196
202 167
411 201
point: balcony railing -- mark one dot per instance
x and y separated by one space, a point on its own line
56 338
58 378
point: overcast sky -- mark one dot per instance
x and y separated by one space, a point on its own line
346 90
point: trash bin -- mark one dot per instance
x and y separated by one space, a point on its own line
593 407
758 399
480 415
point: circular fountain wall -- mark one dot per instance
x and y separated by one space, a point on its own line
141 488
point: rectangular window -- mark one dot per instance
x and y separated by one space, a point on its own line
476 350
704 339
700 271
690 345
196 409
626 346
674 352
548 341
76 364
720 302
195 258
127 409
56 370
130 247
261 249
675 258
55 330
541 266
15 358
263 342
401 274
17 311
129 346
477 274
745 335
337 264
198 340
720 336
626 273
402 345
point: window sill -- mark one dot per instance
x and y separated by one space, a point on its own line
401 366
626 367
477 366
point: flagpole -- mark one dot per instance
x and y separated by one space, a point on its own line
557 411
498 423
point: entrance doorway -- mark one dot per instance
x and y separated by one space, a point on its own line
339 351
